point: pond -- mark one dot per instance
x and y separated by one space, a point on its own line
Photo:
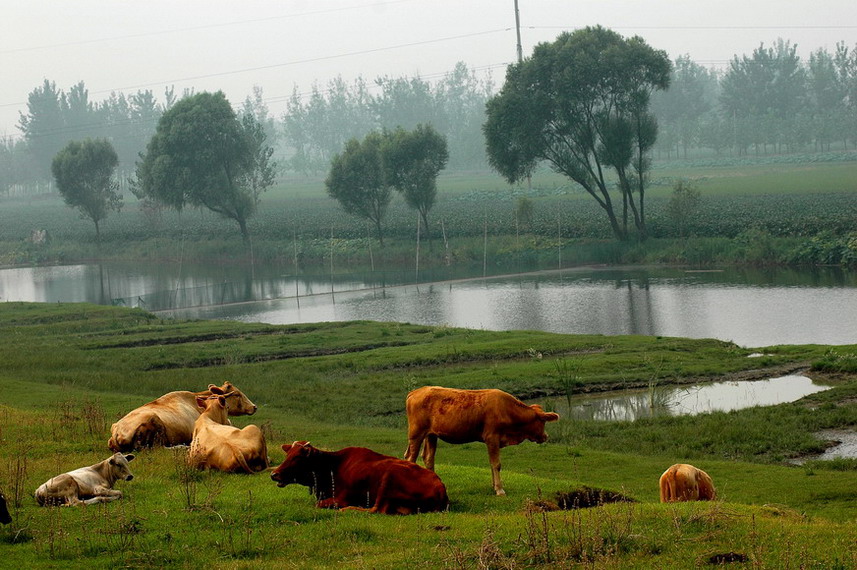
673 400
750 308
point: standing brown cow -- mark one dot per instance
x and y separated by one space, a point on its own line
460 416
683 482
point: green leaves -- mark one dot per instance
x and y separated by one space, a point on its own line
581 104
203 155
84 175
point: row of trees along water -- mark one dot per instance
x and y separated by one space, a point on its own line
769 101
581 104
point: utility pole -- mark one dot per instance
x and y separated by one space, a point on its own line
518 30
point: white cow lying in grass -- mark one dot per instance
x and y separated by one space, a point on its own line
87 485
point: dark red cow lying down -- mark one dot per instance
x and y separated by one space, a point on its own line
361 479
461 416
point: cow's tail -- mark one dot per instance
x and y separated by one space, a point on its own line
667 485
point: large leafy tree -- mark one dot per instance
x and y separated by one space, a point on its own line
412 160
84 172
358 182
203 155
581 104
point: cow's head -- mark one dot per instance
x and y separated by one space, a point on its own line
296 467
239 404
119 469
215 408
536 428
530 426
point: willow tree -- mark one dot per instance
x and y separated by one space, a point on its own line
581 104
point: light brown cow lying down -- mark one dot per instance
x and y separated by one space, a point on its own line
87 485
169 419
683 482
461 416
218 445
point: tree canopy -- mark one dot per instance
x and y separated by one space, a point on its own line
412 160
203 155
357 180
581 104
84 174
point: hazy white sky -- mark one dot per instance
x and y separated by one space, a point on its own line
116 45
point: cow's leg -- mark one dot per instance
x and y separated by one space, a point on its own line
429 451
494 459
329 503
415 441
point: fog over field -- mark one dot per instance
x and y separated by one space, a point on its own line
286 46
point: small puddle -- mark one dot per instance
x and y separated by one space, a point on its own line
846 448
629 405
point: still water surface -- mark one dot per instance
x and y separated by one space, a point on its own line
629 405
753 309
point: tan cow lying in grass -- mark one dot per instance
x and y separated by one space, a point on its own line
683 482
218 445
169 420
87 485
461 416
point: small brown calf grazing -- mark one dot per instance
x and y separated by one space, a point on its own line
683 482
460 416
361 479
169 420
87 485
218 445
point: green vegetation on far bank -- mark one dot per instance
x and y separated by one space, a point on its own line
70 370
750 213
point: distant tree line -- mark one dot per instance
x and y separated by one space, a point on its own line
318 129
769 101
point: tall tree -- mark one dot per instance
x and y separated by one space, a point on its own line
357 180
581 104
412 160
204 156
43 126
84 175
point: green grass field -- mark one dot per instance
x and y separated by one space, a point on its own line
68 371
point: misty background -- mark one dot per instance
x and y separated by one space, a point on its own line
764 78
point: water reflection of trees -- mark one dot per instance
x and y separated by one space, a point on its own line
625 408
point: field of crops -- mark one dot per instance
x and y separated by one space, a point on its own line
784 197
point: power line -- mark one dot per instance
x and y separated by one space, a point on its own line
196 28
288 63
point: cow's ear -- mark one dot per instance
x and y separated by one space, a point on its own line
130 457
215 389
287 447
200 402
222 401
550 416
